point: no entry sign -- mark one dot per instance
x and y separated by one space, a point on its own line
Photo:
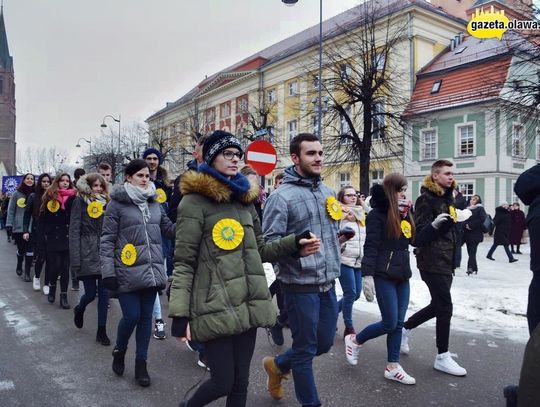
262 156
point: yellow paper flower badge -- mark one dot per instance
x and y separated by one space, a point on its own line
334 208
227 234
94 209
53 206
21 202
129 254
406 228
161 196
453 213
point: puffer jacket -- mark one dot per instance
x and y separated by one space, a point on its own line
222 292
299 204
383 256
15 212
435 247
351 250
501 236
124 224
84 235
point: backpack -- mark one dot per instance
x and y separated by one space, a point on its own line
488 225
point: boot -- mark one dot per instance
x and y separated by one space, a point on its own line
102 337
118 361
141 374
51 297
19 265
78 316
28 260
63 301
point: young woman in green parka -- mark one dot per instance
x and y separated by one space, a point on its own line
219 294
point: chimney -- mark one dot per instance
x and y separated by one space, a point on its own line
461 35
452 44
456 40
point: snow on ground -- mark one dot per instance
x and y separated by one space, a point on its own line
493 302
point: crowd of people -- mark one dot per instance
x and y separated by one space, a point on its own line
208 233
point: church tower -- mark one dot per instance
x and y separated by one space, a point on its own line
7 102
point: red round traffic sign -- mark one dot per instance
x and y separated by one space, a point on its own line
262 156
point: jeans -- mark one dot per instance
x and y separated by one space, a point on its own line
440 307
471 251
351 283
229 359
91 286
58 265
393 300
136 312
506 249
156 310
312 319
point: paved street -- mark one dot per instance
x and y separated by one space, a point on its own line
46 361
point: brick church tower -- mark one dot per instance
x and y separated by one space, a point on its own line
7 102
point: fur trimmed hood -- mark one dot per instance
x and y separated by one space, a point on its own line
82 186
208 186
435 188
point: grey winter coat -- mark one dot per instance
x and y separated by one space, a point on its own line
299 204
124 224
15 214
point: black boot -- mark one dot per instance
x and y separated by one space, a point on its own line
51 297
63 301
141 374
78 316
28 260
118 361
102 337
19 265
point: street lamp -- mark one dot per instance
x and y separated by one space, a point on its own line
103 125
78 145
319 82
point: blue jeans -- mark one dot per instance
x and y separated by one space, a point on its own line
91 286
312 319
156 309
351 283
136 312
393 300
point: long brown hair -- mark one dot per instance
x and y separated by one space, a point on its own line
52 191
392 184
38 195
90 180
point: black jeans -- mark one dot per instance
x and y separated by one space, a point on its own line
58 265
440 307
471 251
506 249
228 359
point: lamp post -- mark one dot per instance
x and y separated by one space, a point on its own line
78 145
103 125
291 3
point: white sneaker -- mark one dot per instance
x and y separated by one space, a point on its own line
399 375
351 350
36 284
405 335
446 364
46 290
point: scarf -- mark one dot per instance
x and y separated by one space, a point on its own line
25 189
239 184
63 195
140 197
102 199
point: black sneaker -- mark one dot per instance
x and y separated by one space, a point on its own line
75 285
159 329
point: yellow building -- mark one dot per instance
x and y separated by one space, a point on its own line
276 88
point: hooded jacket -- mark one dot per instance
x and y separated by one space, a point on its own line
299 204
124 224
222 292
351 250
435 247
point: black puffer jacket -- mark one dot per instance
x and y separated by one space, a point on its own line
384 257
472 227
435 247
502 226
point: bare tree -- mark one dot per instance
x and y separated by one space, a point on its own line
37 160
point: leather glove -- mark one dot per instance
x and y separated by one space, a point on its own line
110 283
440 220
369 288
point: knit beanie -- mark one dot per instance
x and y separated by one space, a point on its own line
152 150
216 142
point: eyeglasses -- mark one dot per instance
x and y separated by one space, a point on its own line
350 195
228 155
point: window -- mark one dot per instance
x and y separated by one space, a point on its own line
242 105
467 189
518 140
538 143
345 71
210 116
225 110
436 86
292 129
428 144
344 179
344 128
465 143
271 96
377 121
377 177
293 89
379 62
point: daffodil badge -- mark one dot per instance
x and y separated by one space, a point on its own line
128 254
333 207
94 209
53 205
227 234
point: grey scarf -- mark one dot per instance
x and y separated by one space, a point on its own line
140 197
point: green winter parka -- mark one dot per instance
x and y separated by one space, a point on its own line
222 292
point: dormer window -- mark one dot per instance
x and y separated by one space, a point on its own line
436 86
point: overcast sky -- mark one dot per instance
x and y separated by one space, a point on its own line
77 61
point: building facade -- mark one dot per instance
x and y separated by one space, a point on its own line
7 103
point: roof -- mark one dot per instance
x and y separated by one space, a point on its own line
5 57
332 27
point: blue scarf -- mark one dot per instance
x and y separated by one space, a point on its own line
239 184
